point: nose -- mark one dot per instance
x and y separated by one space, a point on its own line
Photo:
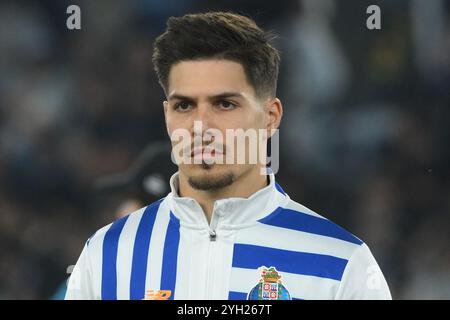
203 118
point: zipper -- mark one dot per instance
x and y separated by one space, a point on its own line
209 294
212 235
211 266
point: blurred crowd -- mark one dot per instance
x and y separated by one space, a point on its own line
364 140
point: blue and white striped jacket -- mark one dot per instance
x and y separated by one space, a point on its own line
170 246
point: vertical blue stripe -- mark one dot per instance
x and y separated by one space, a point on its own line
141 251
109 262
170 256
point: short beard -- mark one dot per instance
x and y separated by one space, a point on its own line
211 184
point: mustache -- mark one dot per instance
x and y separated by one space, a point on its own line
193 148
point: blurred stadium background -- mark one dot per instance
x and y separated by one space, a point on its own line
364 141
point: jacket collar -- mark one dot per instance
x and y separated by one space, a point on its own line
230 213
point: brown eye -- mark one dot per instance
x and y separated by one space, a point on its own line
227 105
183 106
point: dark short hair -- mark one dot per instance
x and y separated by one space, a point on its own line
219 35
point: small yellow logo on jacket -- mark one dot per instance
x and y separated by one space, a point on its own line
158 294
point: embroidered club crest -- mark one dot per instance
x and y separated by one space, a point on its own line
269 286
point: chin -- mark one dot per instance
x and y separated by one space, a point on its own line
205 177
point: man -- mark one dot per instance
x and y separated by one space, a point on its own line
225 231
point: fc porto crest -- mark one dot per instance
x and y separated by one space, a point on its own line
269 286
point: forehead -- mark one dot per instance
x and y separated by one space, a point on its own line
208 77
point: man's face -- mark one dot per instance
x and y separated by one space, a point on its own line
216 93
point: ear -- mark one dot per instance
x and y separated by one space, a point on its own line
274 110
166 107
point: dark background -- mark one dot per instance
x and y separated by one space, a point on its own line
364 139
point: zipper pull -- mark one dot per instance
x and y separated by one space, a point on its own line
212 235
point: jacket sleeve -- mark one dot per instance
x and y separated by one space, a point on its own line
80 282
363 278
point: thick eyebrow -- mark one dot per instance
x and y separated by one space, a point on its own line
219 96
226 95
178 97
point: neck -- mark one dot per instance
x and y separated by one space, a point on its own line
243 187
